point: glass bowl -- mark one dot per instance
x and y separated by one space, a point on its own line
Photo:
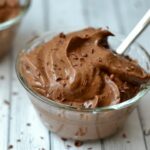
9 28
85 124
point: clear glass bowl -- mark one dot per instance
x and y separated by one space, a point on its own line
9 28
85 124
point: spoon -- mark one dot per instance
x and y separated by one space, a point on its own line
137 30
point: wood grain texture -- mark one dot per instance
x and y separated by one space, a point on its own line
26 130
65 14
132 12
4 101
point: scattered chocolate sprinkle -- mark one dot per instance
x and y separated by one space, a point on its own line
86 36
58 79
64 139
28 124
92 51
6 102
62 61
124 135
68 146
78 143
128 141
10 146
2 77
81 59
18 140
62 35
127 57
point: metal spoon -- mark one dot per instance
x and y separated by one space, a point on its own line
142 24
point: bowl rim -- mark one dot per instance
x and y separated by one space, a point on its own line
15 20
41 98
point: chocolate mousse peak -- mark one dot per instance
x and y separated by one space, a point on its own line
80 69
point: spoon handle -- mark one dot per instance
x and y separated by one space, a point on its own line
143 23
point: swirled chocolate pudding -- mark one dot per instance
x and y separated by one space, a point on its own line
80 69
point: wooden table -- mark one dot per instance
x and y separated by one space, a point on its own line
19 123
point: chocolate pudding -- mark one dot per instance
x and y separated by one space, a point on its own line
8 11
81 71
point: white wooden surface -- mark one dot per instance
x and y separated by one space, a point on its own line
19 123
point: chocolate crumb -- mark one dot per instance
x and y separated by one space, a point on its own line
78 143
81 59
10 146
2 77
58 79
124 135
6 102
62 35
92 51
86 36
28 124
18 140
42 137
64 139
128 141
68 146
15 93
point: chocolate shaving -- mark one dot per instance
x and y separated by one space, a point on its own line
62 35
78 143
10 147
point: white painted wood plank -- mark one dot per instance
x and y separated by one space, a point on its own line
26 130
65 14
132 12
4 101
130 138
101 14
